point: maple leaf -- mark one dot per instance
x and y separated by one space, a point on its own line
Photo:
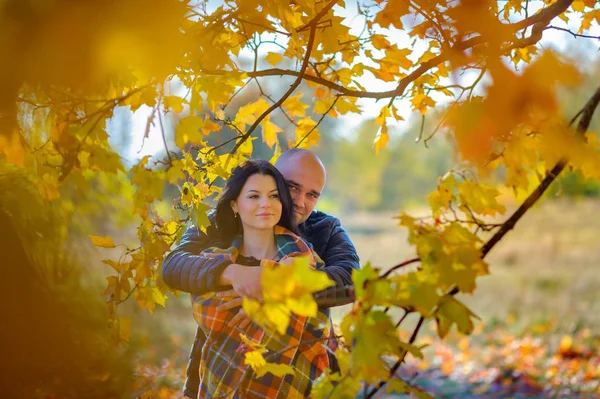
450 312
274 58
103 242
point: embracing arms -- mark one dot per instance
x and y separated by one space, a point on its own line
186 270
340 257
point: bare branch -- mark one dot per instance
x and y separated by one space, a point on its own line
576 35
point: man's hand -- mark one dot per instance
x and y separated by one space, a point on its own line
245 280
241 320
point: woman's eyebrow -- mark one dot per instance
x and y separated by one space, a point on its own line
250 190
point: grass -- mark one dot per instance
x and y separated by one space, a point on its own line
546 268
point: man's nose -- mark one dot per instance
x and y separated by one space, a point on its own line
298 201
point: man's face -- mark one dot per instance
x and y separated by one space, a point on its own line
306 178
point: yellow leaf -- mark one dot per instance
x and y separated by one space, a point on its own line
481 198
104 242
278 370
392 13
188 131
310 279
306 126
124 329
13 149
118 267
210 126
174 102
276 154
381 139
303 306
344 105
274 58
48 187
566 342
398 57
278 315
451 311
383 114
269 132
294 106
421 102
247 114
255 360
578 5
380 42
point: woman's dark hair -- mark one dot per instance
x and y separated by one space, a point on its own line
227 224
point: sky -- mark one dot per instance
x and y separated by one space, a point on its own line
561 41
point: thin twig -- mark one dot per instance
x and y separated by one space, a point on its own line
575 35
162 131
319 121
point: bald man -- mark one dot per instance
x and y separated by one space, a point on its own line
185 270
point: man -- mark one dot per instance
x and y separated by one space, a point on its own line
185 270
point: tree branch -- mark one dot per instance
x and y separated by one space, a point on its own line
313 22
584 123
309 46
393 370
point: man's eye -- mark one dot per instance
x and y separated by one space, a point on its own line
294 188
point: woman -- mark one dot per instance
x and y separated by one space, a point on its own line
254 219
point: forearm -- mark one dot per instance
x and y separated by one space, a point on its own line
194 274
340 259
185 269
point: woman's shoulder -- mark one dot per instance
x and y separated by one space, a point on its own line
286 239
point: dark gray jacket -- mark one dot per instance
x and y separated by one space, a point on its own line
185 270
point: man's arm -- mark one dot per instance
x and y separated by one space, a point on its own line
340 259
185 270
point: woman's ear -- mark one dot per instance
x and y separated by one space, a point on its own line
234 208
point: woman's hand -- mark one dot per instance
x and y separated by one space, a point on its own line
289 259
245 280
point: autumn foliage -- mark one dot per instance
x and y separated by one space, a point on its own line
187 62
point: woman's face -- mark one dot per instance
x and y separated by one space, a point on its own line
258 205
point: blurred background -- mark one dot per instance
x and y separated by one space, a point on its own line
540 303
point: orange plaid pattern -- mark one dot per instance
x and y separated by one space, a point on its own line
223 373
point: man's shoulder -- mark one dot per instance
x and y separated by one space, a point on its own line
320 220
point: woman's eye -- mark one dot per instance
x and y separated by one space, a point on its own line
275 196
253 196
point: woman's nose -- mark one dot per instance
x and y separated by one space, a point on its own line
265 203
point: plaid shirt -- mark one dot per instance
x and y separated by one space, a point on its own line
223 373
